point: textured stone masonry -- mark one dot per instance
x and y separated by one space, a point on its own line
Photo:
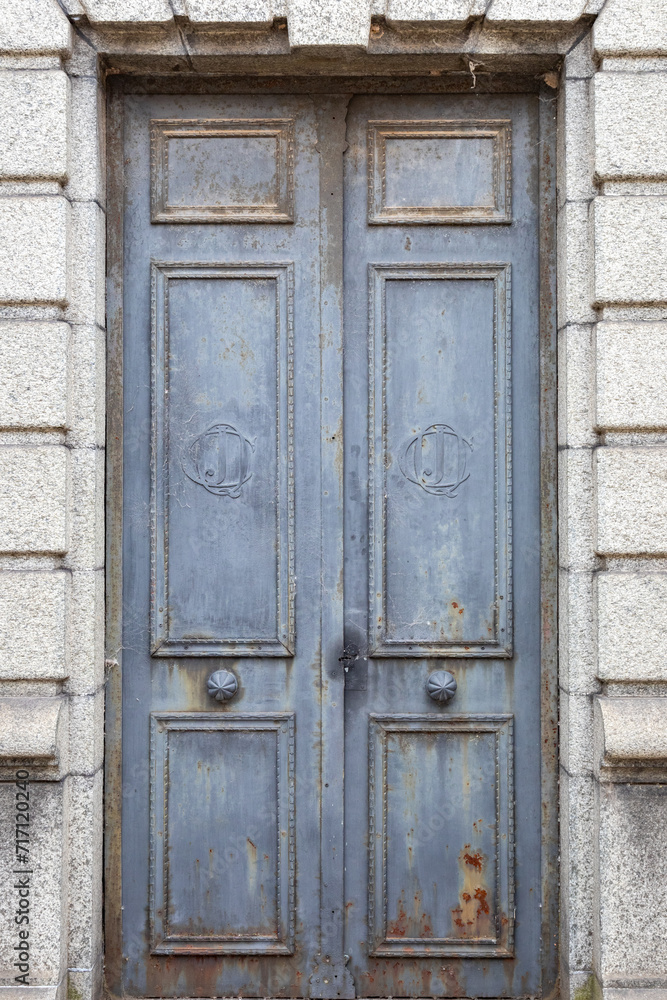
609 60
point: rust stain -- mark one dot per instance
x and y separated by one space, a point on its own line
455 611
472 918
399 927
480 896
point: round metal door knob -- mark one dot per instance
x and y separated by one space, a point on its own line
222 685
441 686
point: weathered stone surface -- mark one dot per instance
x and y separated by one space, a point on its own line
33 124
86 739
577 630
32 625
328 23
33 250
29 729
33 501
33 26
33 374
85 982
579 63
632 501
429 10
632 626
85 648
633 875
577 825
575 264
85 826
649 993
575 502
87 381
235 11
575 146
575 716
88 263
631 375
128 11
577 985
87 509
47 899
576 391
631 26
31 992
630 731
630 249
630 134
537 11
86 141
83 59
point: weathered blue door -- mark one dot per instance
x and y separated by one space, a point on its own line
442 547
327 759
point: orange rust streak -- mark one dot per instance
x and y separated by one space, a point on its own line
474 859
480 896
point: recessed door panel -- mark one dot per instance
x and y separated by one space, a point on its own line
440 401
223 460
229 894
222 170
436 172
440 814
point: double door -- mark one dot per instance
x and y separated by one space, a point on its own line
329 723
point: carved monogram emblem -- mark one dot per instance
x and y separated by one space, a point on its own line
436 460
218 460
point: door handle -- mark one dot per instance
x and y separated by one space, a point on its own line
222 685
441 686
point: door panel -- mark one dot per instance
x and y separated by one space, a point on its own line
442 568
441 585
465 906
237 896
224 376
331 576
221 316
425 172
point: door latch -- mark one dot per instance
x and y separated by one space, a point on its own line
350 656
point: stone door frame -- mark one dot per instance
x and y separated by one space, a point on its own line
296 79
608 63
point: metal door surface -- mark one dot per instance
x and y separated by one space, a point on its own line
326 764
442 543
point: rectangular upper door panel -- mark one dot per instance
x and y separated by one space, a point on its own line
438 172
222 170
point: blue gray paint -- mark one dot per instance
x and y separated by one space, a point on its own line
327 810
